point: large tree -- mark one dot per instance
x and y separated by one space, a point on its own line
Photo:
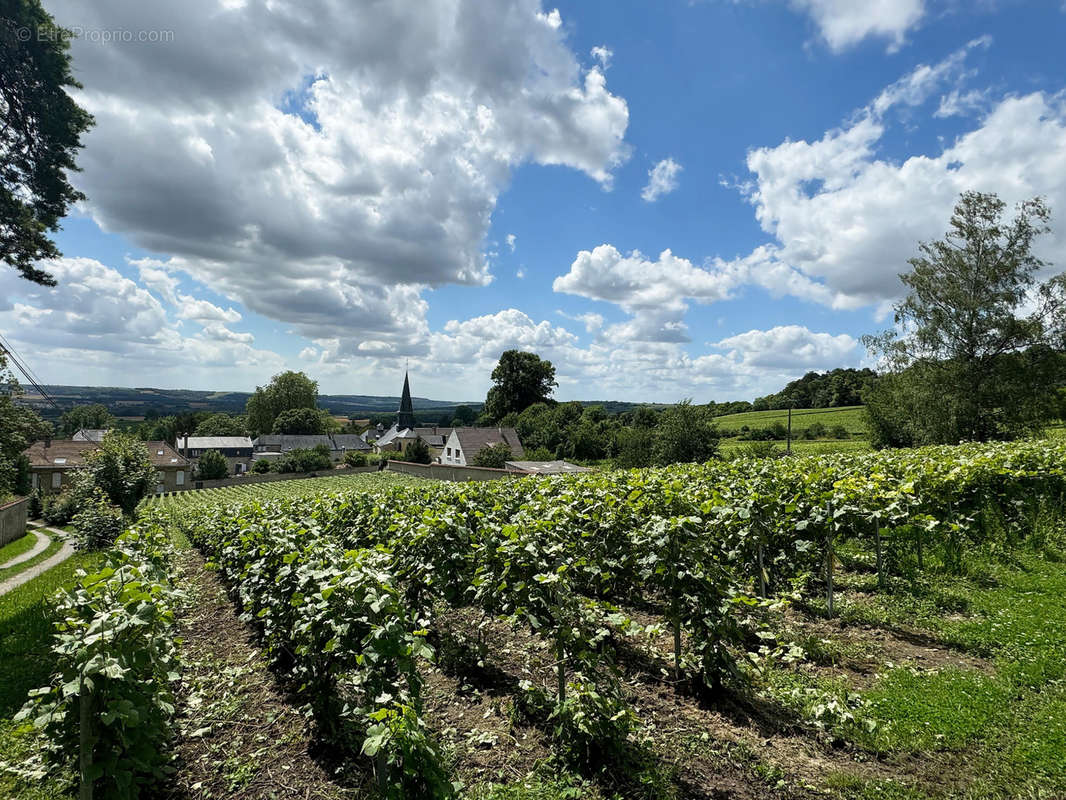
286 390
19 428
94 416
977 349
519 380
221 424
301 421
40 132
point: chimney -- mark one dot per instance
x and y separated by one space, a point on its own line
47 441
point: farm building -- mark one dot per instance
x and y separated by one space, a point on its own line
52 463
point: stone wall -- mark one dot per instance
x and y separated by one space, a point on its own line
13 520
448 472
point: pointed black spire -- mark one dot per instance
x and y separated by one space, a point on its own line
405 418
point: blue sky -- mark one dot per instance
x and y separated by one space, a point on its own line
300 186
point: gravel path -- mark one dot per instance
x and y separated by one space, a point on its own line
65 552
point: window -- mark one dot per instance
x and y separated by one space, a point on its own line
57 480
159 476
179 477
159 488
449 451
35 480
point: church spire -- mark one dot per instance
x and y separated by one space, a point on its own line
405 418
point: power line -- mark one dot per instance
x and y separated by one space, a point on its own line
27 373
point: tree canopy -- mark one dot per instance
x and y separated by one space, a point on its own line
286 391
519 380
221 424
977 349
94 416
299 421
19 428
121 468
212 465
40 134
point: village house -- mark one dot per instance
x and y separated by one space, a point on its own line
340 444
236 449
52 463
464 444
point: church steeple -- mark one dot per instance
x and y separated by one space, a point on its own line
405 417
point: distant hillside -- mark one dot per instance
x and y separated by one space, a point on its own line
142 401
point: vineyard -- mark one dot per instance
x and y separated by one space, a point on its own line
452 637
278 490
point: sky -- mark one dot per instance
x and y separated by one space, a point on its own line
675 199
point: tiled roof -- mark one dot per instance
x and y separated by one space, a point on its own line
65 454
473 440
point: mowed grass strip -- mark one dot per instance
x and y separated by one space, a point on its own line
1007 724
16 548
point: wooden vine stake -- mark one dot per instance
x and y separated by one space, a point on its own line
762 571
85 745
880 559
829 565
560 668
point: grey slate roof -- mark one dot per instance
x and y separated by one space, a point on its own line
215 442
473 440
90 434
336 441
546 467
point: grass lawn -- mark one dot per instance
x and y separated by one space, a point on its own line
26 663
851 417
957 683
45 554
16 548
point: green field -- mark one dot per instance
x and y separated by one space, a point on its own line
851 417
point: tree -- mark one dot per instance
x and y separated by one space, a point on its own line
520 379
212 465
464 417
286 390
121 468
685 434
299 421
19 428
221 424
965 361
39 135
417 452
495 456
95 416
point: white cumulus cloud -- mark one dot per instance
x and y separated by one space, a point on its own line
662 179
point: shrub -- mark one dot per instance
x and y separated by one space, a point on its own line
212 466
304 460
261 466
353 458
417 452
36 505
59 509
97 522
839 432
816 430
495 456
121 468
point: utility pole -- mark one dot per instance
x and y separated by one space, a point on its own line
789 441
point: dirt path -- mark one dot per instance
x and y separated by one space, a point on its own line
240 737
